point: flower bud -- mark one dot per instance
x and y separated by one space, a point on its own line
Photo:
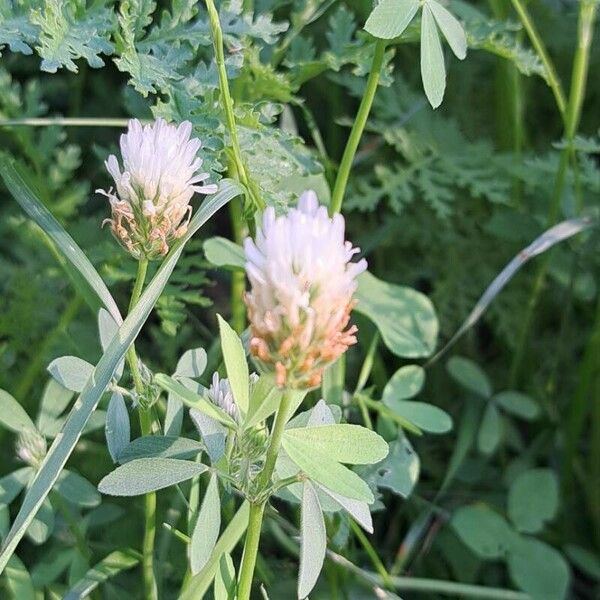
151 203
31 447
302 282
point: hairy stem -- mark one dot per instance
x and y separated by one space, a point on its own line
150 588
337 197
257 509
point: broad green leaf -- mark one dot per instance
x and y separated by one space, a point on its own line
424 416
51 566
433 70
160 446
490 431
351 444
399 472
518 404
71 372
17 181
538 569
109 566
222 252
391 17
327 472
359 511
55 400
320 415
470 376
225 582
13 415
405 318
194 400
264 401
117 428
144 475
584 560
77 490
533 500
192 363
313 541
197 585
236 365
18 580
405 383
206 529
63 445
174 415
212 434
42 524
450 27
12 484
484 531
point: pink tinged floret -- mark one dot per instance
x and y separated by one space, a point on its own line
151 204
302 282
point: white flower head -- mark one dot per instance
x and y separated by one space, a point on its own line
31 447
302 282
151 203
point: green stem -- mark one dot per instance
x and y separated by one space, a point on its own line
66 122
238 278
379 566
257 509
367 366
337 197
227 102
145 415
571 115
538 44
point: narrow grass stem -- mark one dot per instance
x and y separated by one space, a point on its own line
150 588
257 509
339 189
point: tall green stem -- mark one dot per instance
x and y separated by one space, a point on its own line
150 588
341 181
227 102
540 48
572 114
257 509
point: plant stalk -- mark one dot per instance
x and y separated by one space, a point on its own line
257 509
150 588
341 181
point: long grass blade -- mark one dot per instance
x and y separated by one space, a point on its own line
88 400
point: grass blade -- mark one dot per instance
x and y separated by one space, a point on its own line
87 402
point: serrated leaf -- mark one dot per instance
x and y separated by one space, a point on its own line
470 376
160 446
234 357
117 428
451 28
145 475
490 431
518 404
433 70
13 415
313 541
405 318
77 490
533 500
71 372
192 363
390 18
405 383
206 529
351 444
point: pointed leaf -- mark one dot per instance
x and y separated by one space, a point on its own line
313 541
433 70
145 475
208 524
174 415
358 510
225 583
117 427
451 28
236 365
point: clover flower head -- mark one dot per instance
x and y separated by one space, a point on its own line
31 447
151 203
302 283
